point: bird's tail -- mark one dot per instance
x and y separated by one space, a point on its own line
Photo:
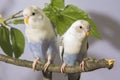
74 76
47 75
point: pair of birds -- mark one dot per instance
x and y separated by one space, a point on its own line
42 40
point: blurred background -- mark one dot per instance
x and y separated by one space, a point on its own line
106 15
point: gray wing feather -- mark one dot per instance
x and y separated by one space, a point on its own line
61 47
54 28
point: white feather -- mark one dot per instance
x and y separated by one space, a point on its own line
73 39
35 34
72 44
39 26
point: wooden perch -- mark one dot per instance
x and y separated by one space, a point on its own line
90 64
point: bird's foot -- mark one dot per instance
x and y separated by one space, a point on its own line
82 65
34 63
47 65
63 67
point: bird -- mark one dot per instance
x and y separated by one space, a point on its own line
74 46
41 37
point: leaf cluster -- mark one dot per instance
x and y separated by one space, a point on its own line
11 41
63 16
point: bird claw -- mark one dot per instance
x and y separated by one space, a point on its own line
82 65
63 67
46 65
34 63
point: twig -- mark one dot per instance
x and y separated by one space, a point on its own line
13 16
4 21
90 64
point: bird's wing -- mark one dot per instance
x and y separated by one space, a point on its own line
83 51
61 46
54 28
87 45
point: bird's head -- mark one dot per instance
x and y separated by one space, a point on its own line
81 27
32 13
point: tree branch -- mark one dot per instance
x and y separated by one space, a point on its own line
90 64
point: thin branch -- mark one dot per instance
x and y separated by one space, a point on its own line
90 64
13 16
18 16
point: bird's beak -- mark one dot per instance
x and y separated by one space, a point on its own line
88 32
26 20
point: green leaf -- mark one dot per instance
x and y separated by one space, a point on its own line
94 30
64 18
17 21
18 42
62 24
57 3
67 17
5 41
74 13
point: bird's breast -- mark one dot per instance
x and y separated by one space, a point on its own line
72 45
37 35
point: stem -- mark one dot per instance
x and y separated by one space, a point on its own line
13 16
69 17
4 21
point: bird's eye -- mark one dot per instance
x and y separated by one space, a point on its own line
80 27
33 13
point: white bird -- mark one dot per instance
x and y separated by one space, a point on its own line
41 37
75 46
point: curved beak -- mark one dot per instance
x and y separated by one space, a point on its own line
26 20
87 32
